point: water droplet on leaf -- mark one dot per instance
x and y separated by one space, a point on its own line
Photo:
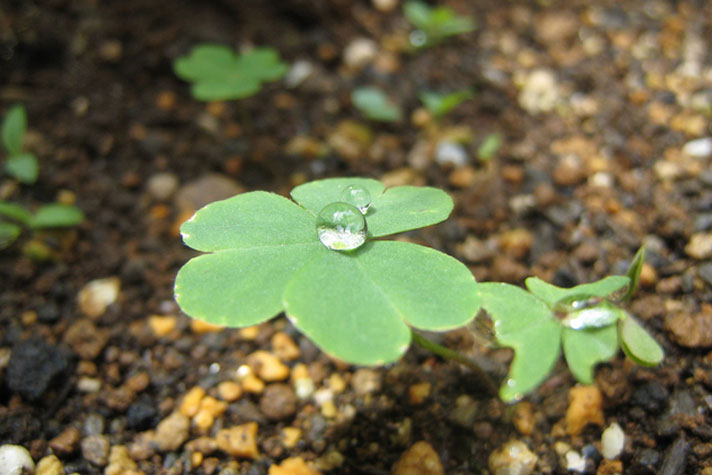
357 196
341 227
600 315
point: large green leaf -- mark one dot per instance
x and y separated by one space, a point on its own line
375 105
8 233
524 323
241 287
14 127
15 212
407 207
584 349
23 167
317 194
56 215
552 294
251 220
637 344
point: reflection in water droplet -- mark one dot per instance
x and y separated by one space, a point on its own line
341 227
418 38
357 196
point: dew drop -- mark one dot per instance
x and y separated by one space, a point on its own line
357 196
341 227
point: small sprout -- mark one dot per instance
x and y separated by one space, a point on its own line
49 216
489 147
375 105
218 73
20 165
440 105
434 24
634 270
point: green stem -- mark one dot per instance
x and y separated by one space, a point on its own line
440 350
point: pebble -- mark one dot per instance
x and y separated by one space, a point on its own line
85 339
585 407
200 327
516 242
569 170
366 381
162 186
418 393
385 5
89 385
172 432
463 177
211 187
304 388
464 412
575 462
120 463
34 367
676 458
66 442
49 465
612 441
97 295
291 436
15 460
690 329
700 246
229 391
162 325
360 52
210 408
610 467
300 70
419 459
699 148
539 91
191 401
293 466
239 441
523 418
141 414
278 401
284 347
451 153
95 449
513 458
267 366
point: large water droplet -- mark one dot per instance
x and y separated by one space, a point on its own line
341 227
357 196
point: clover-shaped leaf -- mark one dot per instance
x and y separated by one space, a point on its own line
552 294
637 344
218 73
266 257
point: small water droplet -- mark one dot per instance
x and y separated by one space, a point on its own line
418 38
341 227
357 196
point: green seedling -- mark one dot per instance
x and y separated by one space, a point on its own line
489 147
219 73
20 165
13 218
375 105
440 105
434 24
583 320
321 260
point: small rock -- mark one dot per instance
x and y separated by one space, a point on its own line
49 465
418 393
610 467
612 441
350 139
293 466
66 442
172 432
34 367
86 339
419 459
162 186
298 73
700 246
191 401
97 295
360 52
463 177
120 463
141 414
278 401
464 412
690 329
523 418
284 347
450 153
676 458
569 171
385 5
95 449
513 458
239 441
162 325
267 366
229 391
211 187
575 462
15 460
516 242
539 91
699 148
291 436
200 327
366 380
585 407
476 251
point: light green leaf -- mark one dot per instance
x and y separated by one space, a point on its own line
418 13
249 220
263 63
552 294
407 207
375 105
56 215
8 233
23 167
15 212
524 323
636 266
446 23
241 287
584 349
317 194
489 147
14 127
440 104
637 344
220 90
334 302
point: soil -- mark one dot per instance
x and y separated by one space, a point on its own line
599 105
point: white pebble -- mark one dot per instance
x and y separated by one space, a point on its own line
15 459
162 185
360 52
298 73
575 462
450 153
304 388
612 441
540 92
699 148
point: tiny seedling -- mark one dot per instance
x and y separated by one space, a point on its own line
434 24
375 105
20 165
219 73
13 218
440 105
583 320
320 259
489 147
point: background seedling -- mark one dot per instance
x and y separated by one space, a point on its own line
434 24
13 218
489 147
583 320
375 105
440 105
20 165
219 73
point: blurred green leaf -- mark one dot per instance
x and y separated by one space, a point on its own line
9 232
14 127
436 23
15 212
56 215
489 147
440 104
23 167
375 105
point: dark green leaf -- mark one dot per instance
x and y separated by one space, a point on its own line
56 215
636 266
8 233
14 127
15 212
